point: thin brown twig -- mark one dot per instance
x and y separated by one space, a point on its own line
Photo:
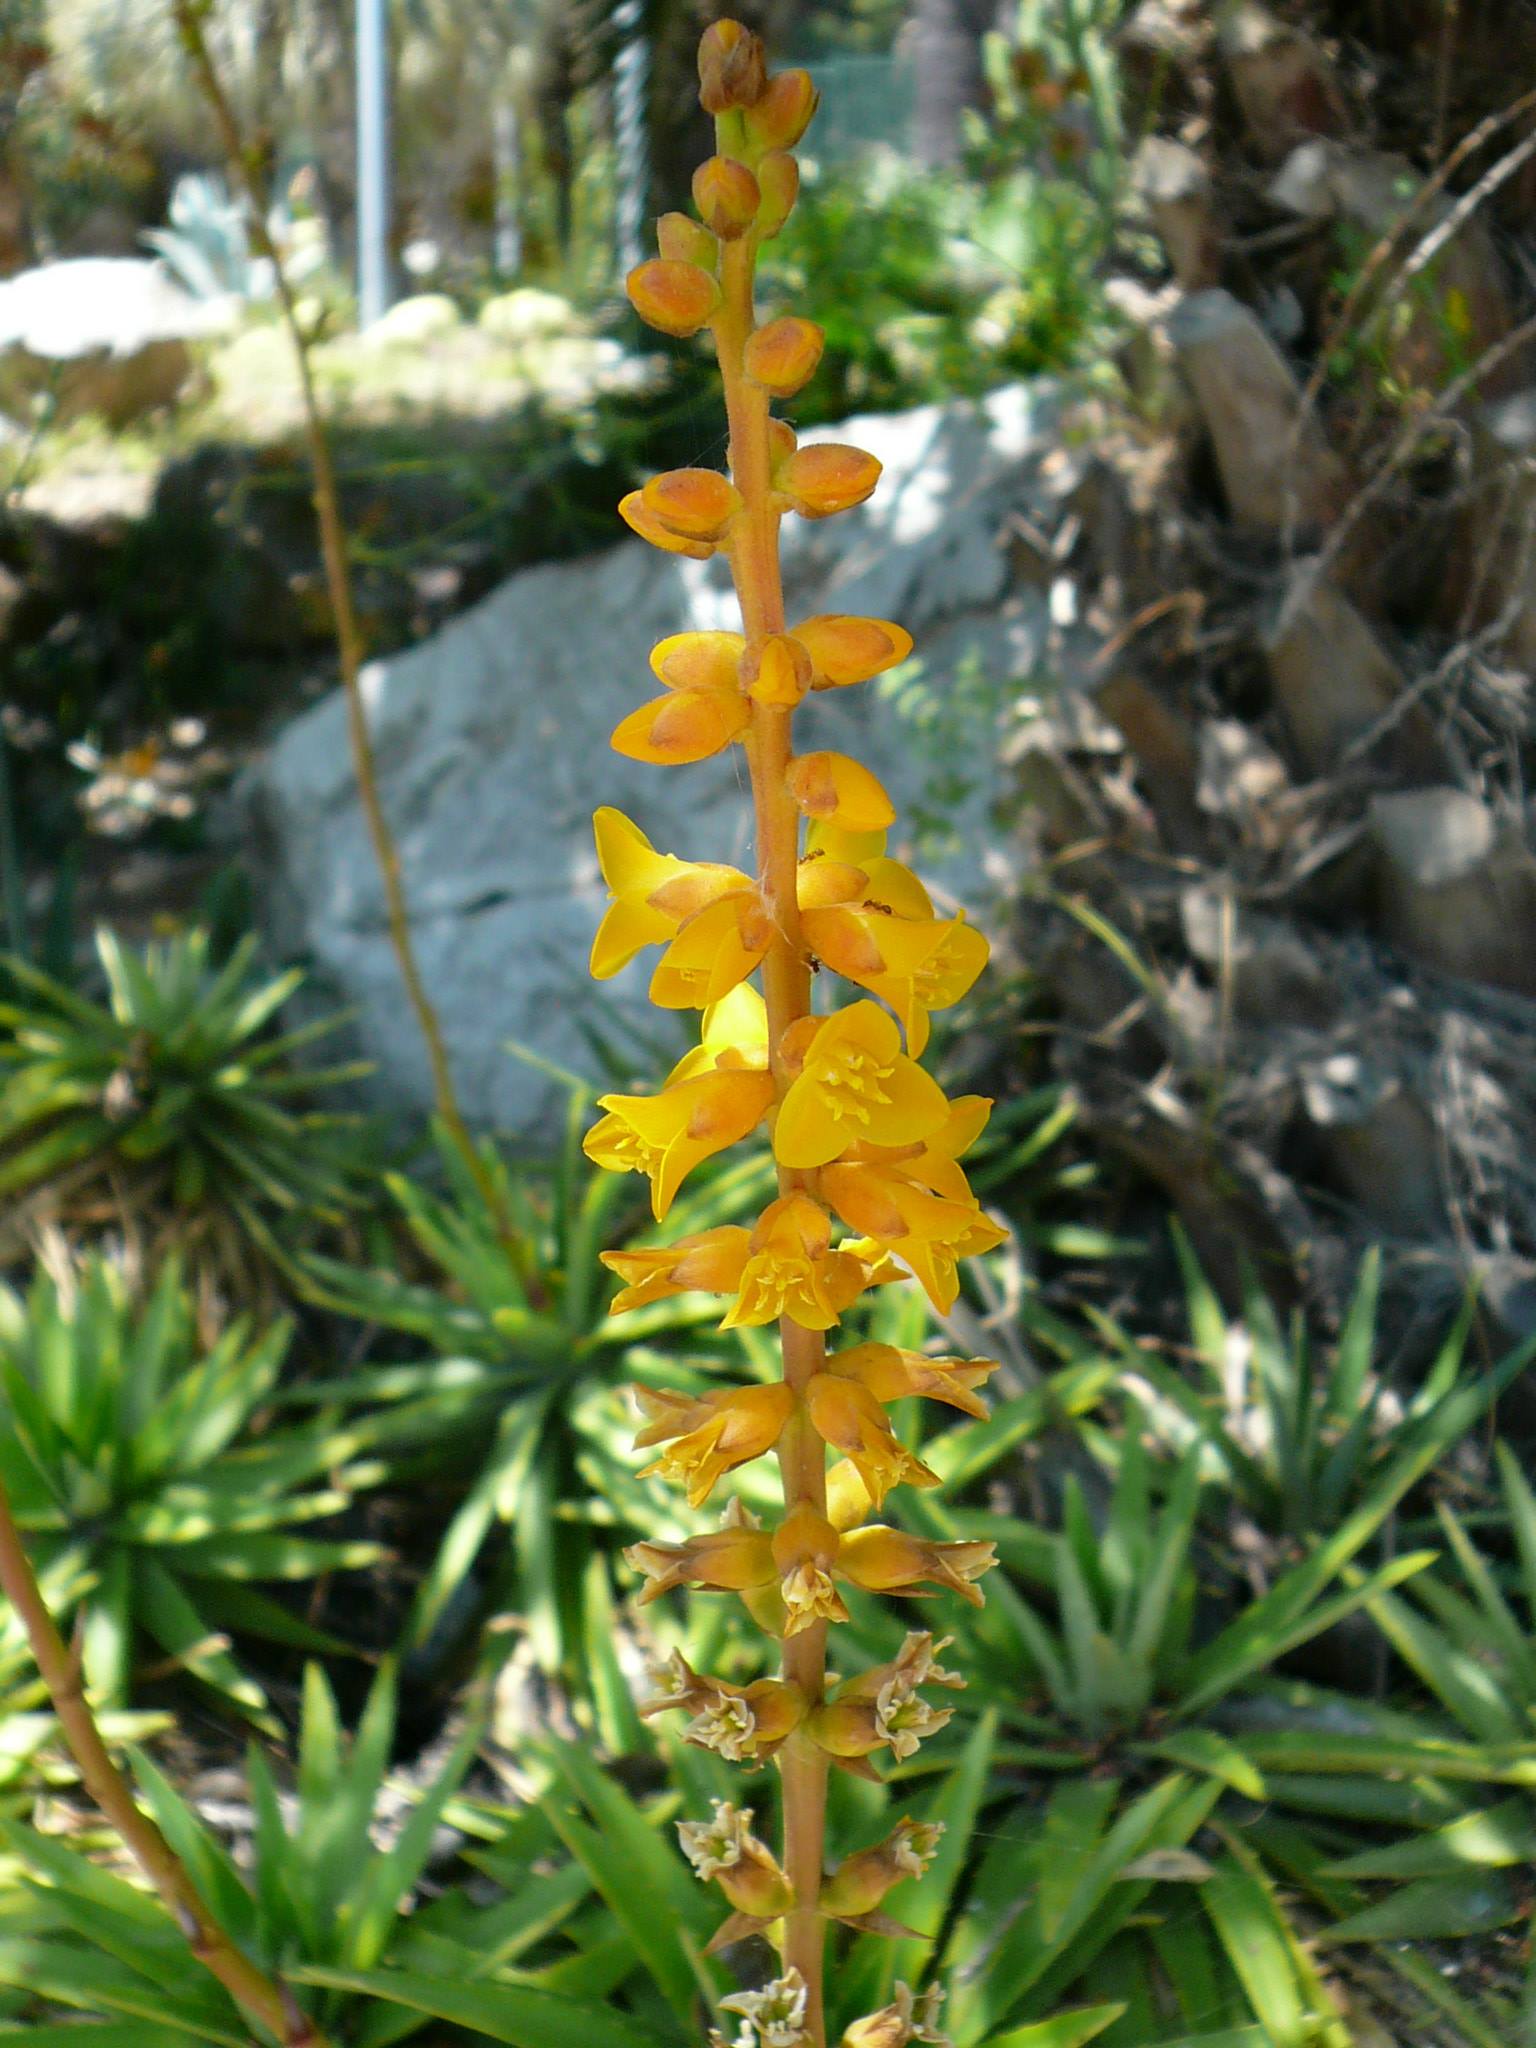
245 163
265 2000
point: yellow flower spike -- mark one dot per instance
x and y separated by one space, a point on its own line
855 1083
841 791
782 356
727 1560
828 477
712 1436
846 650
708 1262
681 239
791 1270
637 875
891 1374
726 195
695 504
719 946
733 70
885 1560
849 1419
781 114
805 1550
678 297
778 177
666 1136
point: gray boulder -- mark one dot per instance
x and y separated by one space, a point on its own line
492 753
102 334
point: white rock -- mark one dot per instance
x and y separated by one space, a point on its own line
105 334
492 747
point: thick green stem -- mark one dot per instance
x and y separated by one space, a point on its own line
787 994
266 2001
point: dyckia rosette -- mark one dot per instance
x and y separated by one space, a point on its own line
866 1143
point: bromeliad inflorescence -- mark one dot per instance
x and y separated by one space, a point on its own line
867 1144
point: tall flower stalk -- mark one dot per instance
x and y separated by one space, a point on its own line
866 1143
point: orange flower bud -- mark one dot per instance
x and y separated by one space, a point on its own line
726 194
778 179
783 355
689 725
639 519
778 672
732 68
845 650
783 113
698 504
680 239
828 477
841 790
676 297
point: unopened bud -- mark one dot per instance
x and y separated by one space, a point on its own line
860 1882
778 179
676 297
732 68
680 239
782 442
726 194
640 519
829 477
696 503
782 115
783 355
777 673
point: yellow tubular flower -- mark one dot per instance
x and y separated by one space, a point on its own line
890 1373
884 1560
915 964
709 1437
840 790
667 1135
805 1550
718 947
652 892
849 1418
728 1560
791 1270
709 1262
855 1083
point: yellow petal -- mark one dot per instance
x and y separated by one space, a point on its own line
698 661
714 951
687 725
840 790
846 650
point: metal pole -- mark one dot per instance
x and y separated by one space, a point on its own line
372 161
629 136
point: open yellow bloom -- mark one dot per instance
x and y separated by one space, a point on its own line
890 1373
917 965
885 1560
848 1417
792 1270
665 1136
726 1560
717 948
854 1083
708 1437
805 1550
704 709
653 893
709 1262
